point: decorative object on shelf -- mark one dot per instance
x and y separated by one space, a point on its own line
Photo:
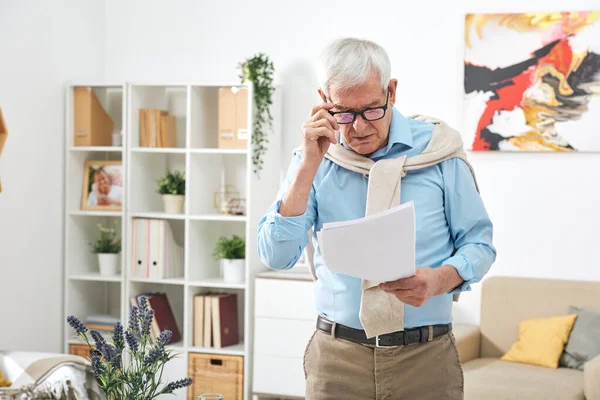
531 81
172 189
92 124
108 249
157 128
117 139
3 136
130 381
227 199
231 252
102 185
233 118
260 70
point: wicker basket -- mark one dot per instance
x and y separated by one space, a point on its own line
82 350
214 373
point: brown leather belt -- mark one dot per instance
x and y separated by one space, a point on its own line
421 334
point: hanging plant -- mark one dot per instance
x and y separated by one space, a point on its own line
259 70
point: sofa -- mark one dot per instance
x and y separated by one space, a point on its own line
505 302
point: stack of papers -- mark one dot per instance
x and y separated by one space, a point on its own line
379 247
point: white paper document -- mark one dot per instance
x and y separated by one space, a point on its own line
380 247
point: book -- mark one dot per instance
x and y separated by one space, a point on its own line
199 320
224 320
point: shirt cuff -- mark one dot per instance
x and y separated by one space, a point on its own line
465 270
286 228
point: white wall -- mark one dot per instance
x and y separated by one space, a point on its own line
544 206
42 45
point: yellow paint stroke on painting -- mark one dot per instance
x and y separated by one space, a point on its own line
533 141
572 22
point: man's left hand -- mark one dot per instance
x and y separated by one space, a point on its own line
426 282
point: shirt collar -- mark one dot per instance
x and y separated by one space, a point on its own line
400 133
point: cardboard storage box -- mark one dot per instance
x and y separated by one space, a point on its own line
233 118
92 124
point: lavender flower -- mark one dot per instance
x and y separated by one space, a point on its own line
134 326
98 339
132 341
154 355
77 325
164 338
118 338
147 322
178 385
97 366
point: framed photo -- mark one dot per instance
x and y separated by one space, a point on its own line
102 185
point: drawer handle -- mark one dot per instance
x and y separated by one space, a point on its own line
214 361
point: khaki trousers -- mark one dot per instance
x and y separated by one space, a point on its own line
340 369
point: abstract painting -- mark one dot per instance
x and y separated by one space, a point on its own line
532 82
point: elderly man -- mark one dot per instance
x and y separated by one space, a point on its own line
367 345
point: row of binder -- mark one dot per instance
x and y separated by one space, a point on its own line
155 253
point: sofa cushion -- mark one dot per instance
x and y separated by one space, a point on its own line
491 378
583 344
541 341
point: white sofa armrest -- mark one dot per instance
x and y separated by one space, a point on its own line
591 379
468 341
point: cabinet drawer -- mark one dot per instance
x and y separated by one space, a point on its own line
280 298
282 376
282 337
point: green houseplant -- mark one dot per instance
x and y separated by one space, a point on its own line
259 70
172 188
108 249
231 253
142 377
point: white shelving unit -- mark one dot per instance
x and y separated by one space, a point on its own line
195 106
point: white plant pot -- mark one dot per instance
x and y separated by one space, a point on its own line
174 203
109 264
234 271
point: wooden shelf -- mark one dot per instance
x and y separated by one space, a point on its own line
219 151
216 283
165 281
235 350
168 150
91 213
112 149
95 277
157 215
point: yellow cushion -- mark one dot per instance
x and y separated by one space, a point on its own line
3 382
541 341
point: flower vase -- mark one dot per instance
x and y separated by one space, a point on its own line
234 271
173 203
109 263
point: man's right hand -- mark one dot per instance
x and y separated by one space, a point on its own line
318 133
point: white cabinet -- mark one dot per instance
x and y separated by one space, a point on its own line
284 320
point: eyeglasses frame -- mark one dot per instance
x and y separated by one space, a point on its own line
362 112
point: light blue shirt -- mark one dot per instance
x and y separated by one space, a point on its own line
450 216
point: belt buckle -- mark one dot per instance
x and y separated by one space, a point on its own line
377 344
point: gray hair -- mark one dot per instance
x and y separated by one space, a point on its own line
347 62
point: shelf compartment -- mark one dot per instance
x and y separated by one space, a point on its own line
75 166
172 99
174 294
203 236
111 99
238 348
89 298
81 231
146 169
208 173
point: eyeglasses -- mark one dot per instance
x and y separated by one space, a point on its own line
369 114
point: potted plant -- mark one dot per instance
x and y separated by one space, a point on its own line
142 376
108 249
231 252
172 189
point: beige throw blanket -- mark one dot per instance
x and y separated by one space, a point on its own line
380 312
